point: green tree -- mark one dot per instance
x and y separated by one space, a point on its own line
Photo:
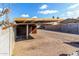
53 17
57 17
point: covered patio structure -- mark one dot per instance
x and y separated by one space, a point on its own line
25 26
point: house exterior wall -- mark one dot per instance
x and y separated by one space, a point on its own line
7 40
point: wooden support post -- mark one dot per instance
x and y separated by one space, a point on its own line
27 32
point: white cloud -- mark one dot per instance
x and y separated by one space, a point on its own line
75 13
72 11
34 17
44 6
73 6
1 9
71 14
48 11
24 15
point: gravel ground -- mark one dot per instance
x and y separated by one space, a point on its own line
47 43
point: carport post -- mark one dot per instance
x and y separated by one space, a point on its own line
27 32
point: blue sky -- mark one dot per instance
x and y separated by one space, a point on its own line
41 10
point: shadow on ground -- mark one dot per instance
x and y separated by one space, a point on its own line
75 44
63 55
24 38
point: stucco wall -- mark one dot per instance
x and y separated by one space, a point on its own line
6 41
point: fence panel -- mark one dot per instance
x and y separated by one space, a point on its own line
70 28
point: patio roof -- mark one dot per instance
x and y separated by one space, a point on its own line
36 20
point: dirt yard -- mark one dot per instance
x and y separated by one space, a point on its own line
47 43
